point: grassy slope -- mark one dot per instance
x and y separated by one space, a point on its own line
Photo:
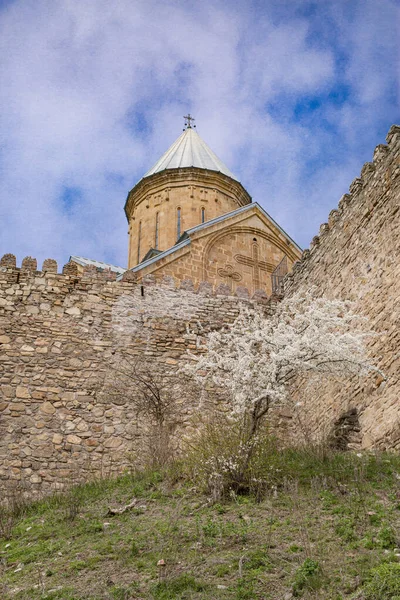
318 533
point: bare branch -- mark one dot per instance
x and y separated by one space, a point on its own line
257 356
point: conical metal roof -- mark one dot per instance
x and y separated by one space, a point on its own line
189 150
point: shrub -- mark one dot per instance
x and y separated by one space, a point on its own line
384 583
222 460
173 589
13 507
386 537
308 577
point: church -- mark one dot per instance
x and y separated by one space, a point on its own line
189 217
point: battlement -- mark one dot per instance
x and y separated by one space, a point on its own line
60 332
356 256
366 193
71 277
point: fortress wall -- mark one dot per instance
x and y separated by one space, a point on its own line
60 332
58 336
357 256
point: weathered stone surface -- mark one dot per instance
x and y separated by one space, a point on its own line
7 391
73 439
17 407
29 264
51 402
8 260
54 418
113 442
49 266
74 310
47 408
359 260
22 392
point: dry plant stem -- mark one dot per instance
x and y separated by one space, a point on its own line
256 358
299 516
240 569
41 581
12 509
157 400
172 530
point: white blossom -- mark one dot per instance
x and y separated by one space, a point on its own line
257 356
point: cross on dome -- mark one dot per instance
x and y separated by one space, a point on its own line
188 119
189 150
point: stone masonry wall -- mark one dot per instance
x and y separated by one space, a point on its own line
357 256
212 254
58 334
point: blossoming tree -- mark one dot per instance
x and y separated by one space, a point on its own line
257 356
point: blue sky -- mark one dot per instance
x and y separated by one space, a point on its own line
293 96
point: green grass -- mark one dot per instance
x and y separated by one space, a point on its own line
384 583
328 528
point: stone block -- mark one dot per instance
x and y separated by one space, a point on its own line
22 392
7 391
17 407
47 408
113 442
74 310
74 439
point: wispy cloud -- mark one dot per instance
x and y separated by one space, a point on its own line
292 96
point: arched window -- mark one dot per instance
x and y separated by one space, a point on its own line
178 223
156 234
138 243
203 214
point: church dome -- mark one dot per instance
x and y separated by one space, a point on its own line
189 150
187 186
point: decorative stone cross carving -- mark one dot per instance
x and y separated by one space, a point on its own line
229 273
255 263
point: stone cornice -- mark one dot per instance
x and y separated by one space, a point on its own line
185 176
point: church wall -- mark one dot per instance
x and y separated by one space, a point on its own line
357 256
58 336
58 333
241 253
188 189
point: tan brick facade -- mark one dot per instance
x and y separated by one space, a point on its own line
239 251
152 206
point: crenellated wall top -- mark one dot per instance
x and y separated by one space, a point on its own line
358 203
28 273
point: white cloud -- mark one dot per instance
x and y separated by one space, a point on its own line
80 79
